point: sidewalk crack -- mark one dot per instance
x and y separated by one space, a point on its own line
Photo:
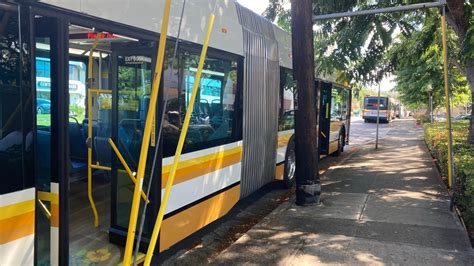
363 207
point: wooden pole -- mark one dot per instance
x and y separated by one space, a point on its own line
308 187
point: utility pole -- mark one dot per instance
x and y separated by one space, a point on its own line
308 186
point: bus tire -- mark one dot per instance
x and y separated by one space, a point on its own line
341 142
290 164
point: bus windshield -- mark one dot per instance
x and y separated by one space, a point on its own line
370 103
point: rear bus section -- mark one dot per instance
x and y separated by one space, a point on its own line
385 112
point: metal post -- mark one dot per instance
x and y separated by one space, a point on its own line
378 120
393 9
447 95
179 148
150 116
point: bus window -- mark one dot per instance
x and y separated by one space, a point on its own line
16 138
372 102
286 103
339 104
345 108
77 86
336 104
77 90
213 118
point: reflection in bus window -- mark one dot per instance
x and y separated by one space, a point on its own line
77 87
336 104
339 104
286 104
213 121
16 137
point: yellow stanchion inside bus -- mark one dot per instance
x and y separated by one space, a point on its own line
179 148
89 130
146 136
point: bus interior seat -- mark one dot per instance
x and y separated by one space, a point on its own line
103 155
216 108
77 142
129 136
103 151
222 130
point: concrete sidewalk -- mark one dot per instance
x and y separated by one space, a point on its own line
378 207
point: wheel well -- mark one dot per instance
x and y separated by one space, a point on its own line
342 131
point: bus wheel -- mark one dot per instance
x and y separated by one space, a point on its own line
290 165
341 142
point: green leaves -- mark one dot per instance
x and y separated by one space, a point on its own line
418 65
437 140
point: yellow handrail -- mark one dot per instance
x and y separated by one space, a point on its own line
146 136
179 148
44 209
125 165
89 130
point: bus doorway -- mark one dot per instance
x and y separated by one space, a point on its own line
107 109
334 117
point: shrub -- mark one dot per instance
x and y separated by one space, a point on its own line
437 141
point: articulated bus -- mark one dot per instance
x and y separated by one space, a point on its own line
387 109
241 135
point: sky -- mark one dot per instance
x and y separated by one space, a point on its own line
258 6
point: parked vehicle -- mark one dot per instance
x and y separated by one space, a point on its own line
43 106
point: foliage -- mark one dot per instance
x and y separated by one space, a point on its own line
356 48
418 66
437 141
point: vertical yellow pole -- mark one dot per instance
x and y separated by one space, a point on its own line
146 136
89 130
448 108
179 148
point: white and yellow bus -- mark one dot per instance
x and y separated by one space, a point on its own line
240 137
386 112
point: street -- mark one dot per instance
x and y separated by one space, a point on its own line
363 133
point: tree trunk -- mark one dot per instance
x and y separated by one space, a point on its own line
459 21
308 187
470 79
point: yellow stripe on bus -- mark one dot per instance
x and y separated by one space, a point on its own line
279 171
17 209
17 227
199 166
48 196
283 140
183 224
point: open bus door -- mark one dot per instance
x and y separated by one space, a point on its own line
131 80
324 116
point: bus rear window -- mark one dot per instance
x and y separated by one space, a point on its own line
371 103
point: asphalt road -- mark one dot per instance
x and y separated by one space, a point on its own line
363 133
